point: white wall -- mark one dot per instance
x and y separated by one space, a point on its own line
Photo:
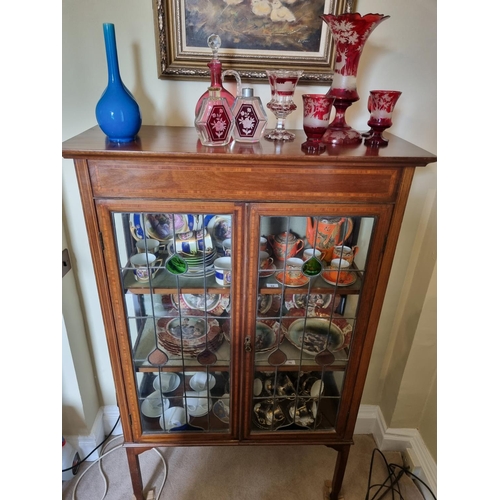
400 54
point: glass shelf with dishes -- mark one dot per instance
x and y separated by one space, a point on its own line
168 252
189 401
300 400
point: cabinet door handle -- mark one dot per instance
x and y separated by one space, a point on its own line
248 346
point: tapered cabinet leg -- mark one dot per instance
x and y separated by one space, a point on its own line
135 471
340 465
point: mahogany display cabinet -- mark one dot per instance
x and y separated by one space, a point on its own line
240 286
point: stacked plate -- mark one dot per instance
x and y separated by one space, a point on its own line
193 337
199 264
216 304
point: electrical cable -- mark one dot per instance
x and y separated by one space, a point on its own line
406 471
104 454
92 464
97 447
391 488
392 477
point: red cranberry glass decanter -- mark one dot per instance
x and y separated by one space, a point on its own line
214 122
350 32
215 66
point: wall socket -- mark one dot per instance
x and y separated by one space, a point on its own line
410 460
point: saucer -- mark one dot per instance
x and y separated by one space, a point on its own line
170 382
293 282
344 282
265 273
151 411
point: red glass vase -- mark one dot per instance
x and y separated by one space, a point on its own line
350 32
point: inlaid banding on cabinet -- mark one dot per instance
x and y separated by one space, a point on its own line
260 183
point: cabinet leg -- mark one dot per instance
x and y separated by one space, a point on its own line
135 471
340 465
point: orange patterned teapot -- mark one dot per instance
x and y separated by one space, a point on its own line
285 245
325 233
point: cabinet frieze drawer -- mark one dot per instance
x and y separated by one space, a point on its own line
260 182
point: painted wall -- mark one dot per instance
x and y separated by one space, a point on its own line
400 54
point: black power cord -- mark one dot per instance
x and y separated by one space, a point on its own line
96 448
392 478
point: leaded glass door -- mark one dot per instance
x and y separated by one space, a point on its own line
175 310
310 268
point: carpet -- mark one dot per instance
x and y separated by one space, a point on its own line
239 473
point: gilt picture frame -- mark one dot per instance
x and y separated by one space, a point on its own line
255 35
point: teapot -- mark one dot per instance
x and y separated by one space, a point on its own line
285 245
325 233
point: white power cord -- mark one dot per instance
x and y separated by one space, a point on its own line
102 455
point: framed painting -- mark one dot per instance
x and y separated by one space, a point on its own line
255 35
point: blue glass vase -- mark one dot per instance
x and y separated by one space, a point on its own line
117 111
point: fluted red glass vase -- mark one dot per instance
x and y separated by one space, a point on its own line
350 32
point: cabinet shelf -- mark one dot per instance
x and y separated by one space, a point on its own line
166 283
146 343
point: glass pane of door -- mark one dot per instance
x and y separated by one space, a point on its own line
310 277
176 282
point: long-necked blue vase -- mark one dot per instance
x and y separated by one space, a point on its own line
117 111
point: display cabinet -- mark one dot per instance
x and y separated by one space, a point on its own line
240 286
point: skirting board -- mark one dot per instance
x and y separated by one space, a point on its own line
370 421
105 420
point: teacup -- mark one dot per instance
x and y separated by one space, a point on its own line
222 267
226 245
312 386
148 245
267 413
221 408
173 417
309 252
166 382
345 253
145 265
197 403
193 242
263 244
156 401
284 386
200 380
266 261
293 268
338 268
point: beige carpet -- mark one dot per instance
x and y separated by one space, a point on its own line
239 473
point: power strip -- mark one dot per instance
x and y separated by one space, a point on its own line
410 460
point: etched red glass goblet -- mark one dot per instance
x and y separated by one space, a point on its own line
317 109
382 104
283 83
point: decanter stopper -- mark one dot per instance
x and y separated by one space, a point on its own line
215 66
214 43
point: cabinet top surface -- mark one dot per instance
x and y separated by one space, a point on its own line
182 143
